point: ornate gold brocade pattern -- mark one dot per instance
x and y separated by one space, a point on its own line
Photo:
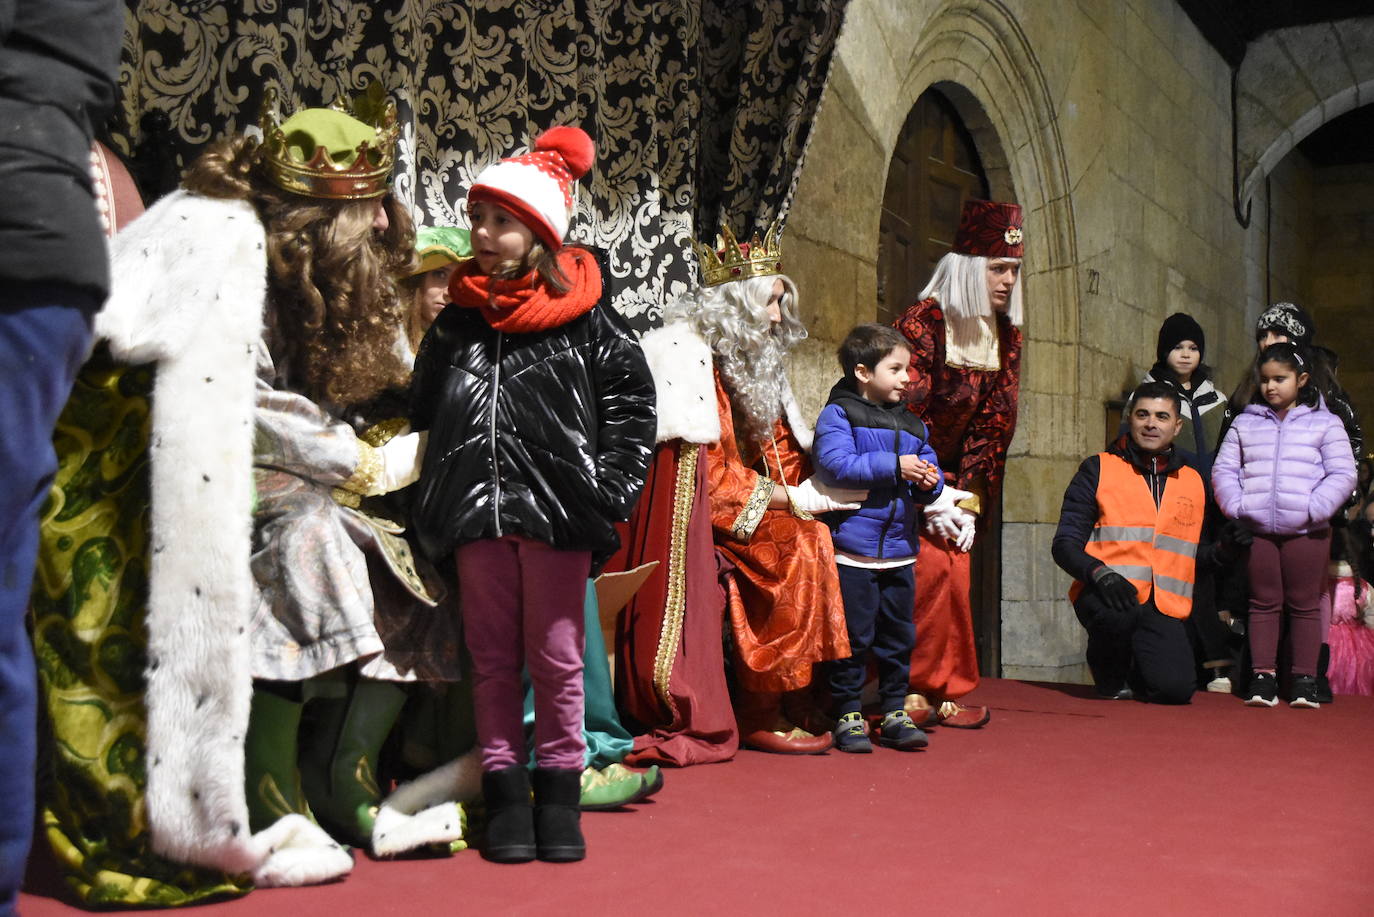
674 606
749 518
367 477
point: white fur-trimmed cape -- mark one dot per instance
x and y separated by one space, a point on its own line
682 365
190 280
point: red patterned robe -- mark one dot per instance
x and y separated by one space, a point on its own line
971 415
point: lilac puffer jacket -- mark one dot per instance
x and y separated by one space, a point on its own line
1284 477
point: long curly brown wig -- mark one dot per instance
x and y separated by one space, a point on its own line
334 310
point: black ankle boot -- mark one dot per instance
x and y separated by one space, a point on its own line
558 815
510 817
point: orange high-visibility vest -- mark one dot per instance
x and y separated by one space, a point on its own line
1153 547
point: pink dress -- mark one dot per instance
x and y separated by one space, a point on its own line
1352 643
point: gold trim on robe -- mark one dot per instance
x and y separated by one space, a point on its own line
675 603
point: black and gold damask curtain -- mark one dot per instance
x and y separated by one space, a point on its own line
701 109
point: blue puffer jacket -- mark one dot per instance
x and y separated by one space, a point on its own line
858 444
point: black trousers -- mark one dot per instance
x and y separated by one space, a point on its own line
1147 650
877 610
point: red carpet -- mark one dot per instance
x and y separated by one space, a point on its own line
1061 805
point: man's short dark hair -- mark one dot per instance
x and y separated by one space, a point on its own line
867 344
1156 389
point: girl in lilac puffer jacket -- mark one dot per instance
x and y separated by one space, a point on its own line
1284 469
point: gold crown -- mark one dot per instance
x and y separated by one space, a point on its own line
732 261
366 175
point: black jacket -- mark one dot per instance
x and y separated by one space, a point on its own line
1079 514
58 62
546 434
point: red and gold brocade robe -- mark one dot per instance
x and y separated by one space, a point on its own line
970 415
783 591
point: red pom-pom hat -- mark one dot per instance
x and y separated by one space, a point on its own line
537 186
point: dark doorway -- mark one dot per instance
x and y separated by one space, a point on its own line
935 168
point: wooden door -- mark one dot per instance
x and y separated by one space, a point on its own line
935 168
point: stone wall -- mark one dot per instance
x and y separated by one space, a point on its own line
1109 123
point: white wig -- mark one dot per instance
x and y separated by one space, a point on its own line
732 317
960 284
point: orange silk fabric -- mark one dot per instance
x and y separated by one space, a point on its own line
784 594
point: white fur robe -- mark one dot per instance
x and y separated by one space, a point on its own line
189 286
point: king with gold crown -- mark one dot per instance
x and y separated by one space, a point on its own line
264 293
731 476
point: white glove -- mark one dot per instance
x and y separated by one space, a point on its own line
968 523
950 522
815 496
401 457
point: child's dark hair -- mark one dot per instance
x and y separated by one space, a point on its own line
1297 358
867 344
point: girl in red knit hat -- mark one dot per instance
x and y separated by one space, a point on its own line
540 411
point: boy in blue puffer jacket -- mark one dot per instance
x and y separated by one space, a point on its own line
865 438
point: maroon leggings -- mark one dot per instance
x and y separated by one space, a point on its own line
1286 573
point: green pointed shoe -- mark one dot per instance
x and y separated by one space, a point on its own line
615 785
337 769
271 775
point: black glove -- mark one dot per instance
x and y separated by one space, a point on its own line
1235 537
1117 592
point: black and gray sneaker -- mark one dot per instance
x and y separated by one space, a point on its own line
851 735
1303 692
1264 690
898 731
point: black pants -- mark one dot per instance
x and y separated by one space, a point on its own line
877 610
1147 650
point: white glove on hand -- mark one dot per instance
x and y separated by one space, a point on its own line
401 457
816 496
950 522
968 523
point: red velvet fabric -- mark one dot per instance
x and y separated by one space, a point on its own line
700 727
944 665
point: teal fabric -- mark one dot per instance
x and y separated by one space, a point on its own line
607 740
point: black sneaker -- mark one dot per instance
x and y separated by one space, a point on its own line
852 736
1303 692
898 731
1263 691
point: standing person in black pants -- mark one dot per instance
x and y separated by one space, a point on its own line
57 80
1130 535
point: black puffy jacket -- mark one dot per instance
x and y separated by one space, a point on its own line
59 60
546 434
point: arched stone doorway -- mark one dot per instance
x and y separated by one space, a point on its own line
936 166
980 60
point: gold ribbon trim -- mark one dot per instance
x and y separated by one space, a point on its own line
675 603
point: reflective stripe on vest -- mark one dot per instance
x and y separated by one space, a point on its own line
1153 547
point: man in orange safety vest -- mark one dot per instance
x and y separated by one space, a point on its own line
1130 534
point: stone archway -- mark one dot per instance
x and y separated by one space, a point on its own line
1293 81
977 54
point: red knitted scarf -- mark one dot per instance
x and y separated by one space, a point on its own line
526 303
